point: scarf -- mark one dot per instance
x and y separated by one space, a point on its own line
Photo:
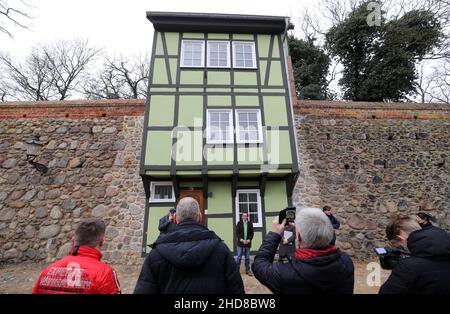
301 253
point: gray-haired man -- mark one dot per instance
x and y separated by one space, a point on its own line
317 266
189 259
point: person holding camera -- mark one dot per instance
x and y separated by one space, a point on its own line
427 269
334 221
317 266
82 272
244 236
167 222
190 259
287 245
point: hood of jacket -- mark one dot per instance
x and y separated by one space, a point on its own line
431 243
188 245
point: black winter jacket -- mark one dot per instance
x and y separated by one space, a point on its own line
334 221
189 260
330 274
336 225
165 225
427 270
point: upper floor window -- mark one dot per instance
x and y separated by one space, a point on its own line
192 53
249 126
218 54
244 55
219 126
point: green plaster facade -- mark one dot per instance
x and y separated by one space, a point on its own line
175 148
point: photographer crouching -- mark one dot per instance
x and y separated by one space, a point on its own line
426 269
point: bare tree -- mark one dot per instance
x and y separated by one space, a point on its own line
66 60
120 78
31 80
49 72
13 15
441 83
424 82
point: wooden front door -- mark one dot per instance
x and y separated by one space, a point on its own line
198 196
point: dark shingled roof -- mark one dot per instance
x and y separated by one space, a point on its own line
218 23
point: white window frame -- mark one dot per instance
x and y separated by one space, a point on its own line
161 200
258 199
253 54
228 54
208 127
202 56
260 129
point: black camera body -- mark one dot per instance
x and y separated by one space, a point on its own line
288 213
390 257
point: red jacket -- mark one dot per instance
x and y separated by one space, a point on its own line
83 274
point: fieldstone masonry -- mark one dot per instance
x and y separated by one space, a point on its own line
366 160
93 171
369 161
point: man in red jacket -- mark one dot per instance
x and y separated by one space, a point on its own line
82 271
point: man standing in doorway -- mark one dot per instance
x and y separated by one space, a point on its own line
244 236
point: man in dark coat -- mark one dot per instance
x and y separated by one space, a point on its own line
427 270
334 221
189 260
244 236
317 266
166 223
425 220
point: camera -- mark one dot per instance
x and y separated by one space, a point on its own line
390 257
288 213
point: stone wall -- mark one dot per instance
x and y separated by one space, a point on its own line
92 150
367 160
370 160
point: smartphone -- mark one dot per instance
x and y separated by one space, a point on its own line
380 250
288 213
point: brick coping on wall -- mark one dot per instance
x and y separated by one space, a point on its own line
372 110
72 109
77 109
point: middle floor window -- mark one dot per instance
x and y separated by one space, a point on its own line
249 127
219 126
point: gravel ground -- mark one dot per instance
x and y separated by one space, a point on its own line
21 278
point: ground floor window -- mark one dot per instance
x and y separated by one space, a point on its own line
162 192
249 201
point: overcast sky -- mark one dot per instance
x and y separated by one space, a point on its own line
121 26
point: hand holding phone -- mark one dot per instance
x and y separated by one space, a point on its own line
288 213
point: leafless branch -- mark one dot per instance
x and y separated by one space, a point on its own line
13 15
49 72
66 60
120 78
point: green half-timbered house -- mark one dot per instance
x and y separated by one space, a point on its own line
219 122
